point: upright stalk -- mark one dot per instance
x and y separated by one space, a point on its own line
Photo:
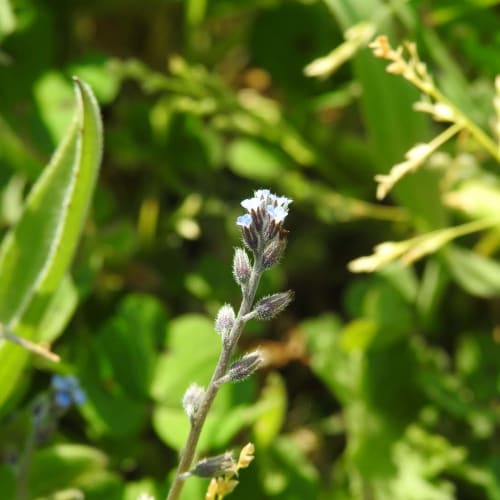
25 467
263 233
221 368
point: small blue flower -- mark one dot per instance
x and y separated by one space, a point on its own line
277 214
67 391
244 220
264 220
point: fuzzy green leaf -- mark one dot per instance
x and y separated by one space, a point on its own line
36 254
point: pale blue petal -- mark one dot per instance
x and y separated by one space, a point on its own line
244 220
277 214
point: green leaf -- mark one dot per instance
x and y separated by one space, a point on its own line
288 474
390 312
273 403
339 370
431 292
410 466
118 369
476 361
7 481
52 92
183 365
36 253
59 311
64 466
477 196
255 160
128 342
13 153
358 335
96 70
172 425
193 350
110 410
7 19
134 489
476 274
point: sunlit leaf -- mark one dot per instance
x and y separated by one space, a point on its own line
477 274
36 254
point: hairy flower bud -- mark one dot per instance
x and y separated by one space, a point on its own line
241 267
273 252
218 465
224 321
250 237
245 366
242 368
272 305
192 400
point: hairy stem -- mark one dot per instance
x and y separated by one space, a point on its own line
221 368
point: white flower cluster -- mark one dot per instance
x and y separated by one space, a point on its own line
266 204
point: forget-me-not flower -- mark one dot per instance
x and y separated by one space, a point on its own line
264 220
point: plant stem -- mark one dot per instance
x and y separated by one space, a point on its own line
477 132
25 467
221 368
28 345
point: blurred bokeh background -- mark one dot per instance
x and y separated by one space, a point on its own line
378 386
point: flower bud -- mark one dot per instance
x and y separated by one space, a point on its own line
192 400
273 252
272 305
242 368
241 267
250 237
224 321
218 465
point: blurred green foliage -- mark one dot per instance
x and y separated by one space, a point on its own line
379 386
